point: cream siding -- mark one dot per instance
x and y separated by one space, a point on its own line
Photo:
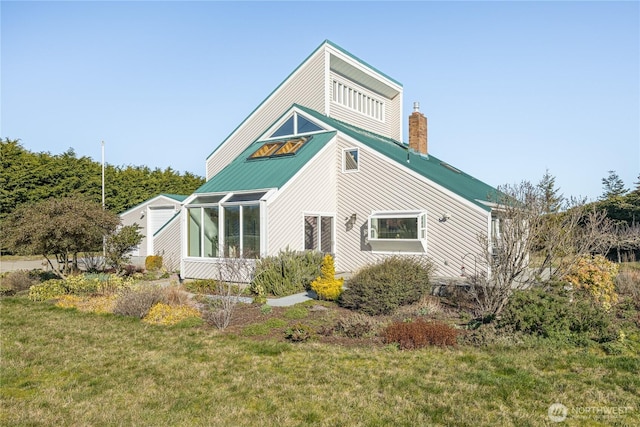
167 243
384 185
141 215
311 191
304 87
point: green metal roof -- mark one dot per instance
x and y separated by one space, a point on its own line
261 173
429 166
176 197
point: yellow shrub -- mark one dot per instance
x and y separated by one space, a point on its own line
68 301
99 304
93 304
164 314
153 262
595 275
326 285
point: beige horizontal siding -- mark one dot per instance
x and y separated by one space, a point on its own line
168 243
383 185
312 191
305 87
234 270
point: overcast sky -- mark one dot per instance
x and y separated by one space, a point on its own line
510 88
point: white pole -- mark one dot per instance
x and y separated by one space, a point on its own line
102 174
104 238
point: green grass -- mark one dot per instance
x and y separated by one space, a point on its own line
64 367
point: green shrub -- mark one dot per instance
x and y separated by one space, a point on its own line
381 288
153 262
552 312
287 273
202 286
298 333
136 302
418 334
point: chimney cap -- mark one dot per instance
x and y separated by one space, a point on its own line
416 106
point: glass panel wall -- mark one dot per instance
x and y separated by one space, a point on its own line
232 232
211 236
194 232
251 231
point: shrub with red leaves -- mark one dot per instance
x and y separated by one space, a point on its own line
418 334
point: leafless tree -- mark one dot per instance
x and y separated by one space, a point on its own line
529 245
625 238
232 277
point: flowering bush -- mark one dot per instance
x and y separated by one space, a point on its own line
47 290
95 304
326 285
164 314
68 301
595 275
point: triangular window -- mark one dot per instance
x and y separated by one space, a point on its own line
296 125
286 129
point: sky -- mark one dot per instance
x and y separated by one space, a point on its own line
511 89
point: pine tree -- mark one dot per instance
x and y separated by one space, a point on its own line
613 186
552 201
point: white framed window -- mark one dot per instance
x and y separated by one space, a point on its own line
398 231
318 233
350 160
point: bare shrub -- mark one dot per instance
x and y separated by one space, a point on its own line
628 284
233 273
176 295
137 302
428 305
522 226
17 281
356 325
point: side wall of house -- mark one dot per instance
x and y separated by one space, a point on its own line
140 215
310 192
384 185
393 109
167 243
304 87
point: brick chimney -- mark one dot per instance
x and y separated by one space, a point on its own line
418 130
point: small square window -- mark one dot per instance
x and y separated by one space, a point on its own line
350 160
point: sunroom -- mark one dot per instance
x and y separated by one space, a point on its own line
225 225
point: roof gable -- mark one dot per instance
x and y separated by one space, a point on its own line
343 63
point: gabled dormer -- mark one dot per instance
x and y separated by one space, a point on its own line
331 81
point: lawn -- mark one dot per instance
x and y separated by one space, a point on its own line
65 367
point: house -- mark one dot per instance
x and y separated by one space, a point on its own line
320 165
151 216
